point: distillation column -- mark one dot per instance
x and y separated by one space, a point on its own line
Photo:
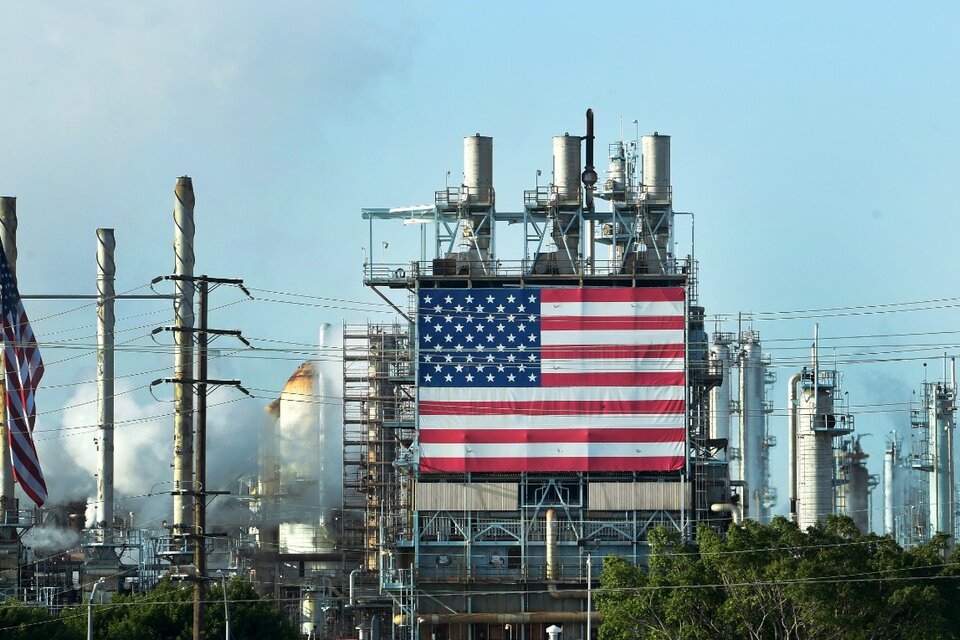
941 404
720 395
889 484
751 431
815 423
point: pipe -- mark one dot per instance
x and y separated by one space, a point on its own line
501 618
106 324
353 578
8 236
183 360
551 544
722 507
563 594
792 407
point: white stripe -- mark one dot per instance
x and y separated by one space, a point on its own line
547 394
446 423
606 336
602 309
553 450
610 365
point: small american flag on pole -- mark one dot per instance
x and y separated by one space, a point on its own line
552 379
24 368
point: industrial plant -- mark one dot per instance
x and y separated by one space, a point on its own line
542 397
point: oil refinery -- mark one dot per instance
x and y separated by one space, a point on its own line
548 392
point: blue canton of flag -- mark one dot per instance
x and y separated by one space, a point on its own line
479 337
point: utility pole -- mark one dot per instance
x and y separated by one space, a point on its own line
201 383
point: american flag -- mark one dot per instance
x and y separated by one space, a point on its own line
552 379
24 368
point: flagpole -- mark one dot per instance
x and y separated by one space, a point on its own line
8 236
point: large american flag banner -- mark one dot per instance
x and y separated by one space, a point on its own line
23 368
551 379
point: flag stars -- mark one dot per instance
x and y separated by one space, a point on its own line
448 378
458 327
532 377
468 299
532 299
500 308
448 318
511 338
458 308
511 377
448 299
469 338
489 299
511 299
521 308
469 377
427 299
490 377
438 327
428 378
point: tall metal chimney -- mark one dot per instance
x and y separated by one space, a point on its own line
106 324
183 501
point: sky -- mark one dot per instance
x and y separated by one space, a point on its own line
814 142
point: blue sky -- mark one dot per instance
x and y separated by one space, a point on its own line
815 142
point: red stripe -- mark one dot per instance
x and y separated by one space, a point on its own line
618 294
583 351
539 436
559 407
517 465
622 379
610 323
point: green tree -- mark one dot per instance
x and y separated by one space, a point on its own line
774 581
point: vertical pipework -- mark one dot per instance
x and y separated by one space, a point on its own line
106 321
589 179
889 480
551 544
8 236
792 408
183 360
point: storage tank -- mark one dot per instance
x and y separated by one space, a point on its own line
478 170
656 167
566 169
299 508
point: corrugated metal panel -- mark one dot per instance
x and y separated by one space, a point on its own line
477 496
638 496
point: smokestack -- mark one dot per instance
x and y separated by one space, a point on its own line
183 238
8 236
106 272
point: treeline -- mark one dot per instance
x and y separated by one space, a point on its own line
775 581
166 613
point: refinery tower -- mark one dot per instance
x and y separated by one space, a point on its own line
531 411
